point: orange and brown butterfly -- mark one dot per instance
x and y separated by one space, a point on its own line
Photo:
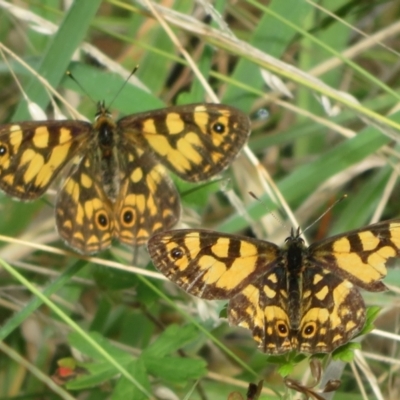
292 297
115 185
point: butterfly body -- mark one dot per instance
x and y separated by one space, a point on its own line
292 297
114 184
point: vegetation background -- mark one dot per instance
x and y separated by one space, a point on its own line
320 82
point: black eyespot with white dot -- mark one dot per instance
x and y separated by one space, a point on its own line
219 127
128 217
176 253
309 330
102 219
282 329
3 150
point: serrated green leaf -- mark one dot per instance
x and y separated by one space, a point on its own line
285 369
98 373
174 369
172 339
81 344
125 390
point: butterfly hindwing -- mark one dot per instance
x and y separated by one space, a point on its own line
262 308
147 202
332 312
84 214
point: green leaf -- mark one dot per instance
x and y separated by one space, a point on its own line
285 369
81 344
345 353
287 362
125 390
113 279
98 373
173 338
174 369
372 314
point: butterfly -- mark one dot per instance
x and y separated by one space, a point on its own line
292 297
115 185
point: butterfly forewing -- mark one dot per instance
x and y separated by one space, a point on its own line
208 264
33 153
360 255
194 141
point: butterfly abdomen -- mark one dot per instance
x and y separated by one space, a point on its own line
108 157
294 283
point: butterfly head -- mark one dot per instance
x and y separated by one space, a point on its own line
102 110
294 240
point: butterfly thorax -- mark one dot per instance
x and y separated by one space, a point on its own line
106 128
294 264
106 135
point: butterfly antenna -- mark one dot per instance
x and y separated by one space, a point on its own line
69 74
325 212
124 84
255 197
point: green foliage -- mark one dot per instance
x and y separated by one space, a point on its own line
154 361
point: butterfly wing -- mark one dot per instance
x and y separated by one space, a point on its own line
262 307
332 312
208 264
148 201
359 256
84 214
194 141
33 153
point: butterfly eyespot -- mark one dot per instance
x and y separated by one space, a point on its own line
102 219
128 217
309 330
219 127
176 253
3 150
282 328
